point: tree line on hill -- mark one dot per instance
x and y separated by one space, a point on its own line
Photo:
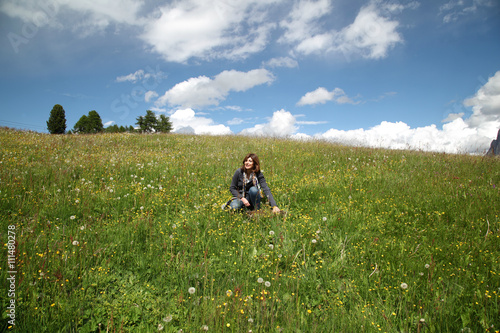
92 123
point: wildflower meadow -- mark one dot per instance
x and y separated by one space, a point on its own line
125 233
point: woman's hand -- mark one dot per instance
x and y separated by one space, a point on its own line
245 202
276 210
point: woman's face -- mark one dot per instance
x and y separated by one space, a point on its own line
249 163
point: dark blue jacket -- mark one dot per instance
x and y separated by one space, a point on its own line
237 186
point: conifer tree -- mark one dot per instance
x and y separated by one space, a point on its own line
82 125
95 122
163 124
57 120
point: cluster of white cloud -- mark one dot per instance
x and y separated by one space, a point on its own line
141 75
222 29
321 96
185 121
203 91
455 10
92 16
183 31
471 135
371 35
282 124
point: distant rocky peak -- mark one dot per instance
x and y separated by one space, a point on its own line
494 147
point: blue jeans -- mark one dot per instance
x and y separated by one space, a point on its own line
253 197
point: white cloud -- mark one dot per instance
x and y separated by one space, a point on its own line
322 95
486 107
371 34
282 124
233 108
452 116
91 15
133 77
186 121
208 29
149 95
203 91
108 123
305 122
235 121
148 77
282 62
302 22
455 10
455 137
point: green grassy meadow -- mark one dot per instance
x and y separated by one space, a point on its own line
125 233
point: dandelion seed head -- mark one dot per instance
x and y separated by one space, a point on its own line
427 266
404 286
314 241
168 319
191 290
260 280
271 233
75 243
267 284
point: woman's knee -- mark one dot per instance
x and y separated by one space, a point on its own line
253 190
236 204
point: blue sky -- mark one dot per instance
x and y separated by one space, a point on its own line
394 74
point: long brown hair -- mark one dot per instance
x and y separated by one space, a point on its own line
256 163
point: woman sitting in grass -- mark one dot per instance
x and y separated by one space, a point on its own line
247 184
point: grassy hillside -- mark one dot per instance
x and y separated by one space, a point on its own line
113 232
